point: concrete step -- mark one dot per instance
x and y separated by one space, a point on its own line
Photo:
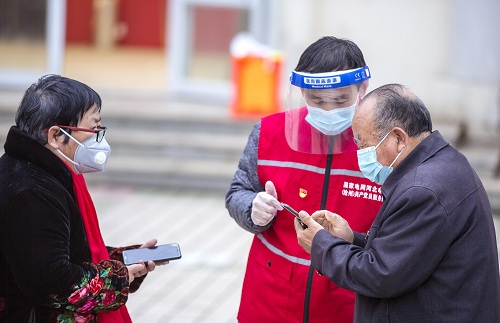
197 149
196 136
178 146
193 155
191 146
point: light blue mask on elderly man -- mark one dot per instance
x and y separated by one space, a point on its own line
369 165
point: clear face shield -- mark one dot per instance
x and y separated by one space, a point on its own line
319 110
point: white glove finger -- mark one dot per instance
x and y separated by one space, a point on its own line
270 189
265 214
262 211
262 219
276 204
267 208
269 200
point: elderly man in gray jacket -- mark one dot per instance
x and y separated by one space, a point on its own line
431 253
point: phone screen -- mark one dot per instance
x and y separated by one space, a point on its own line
164 252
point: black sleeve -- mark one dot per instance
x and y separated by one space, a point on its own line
399 255
359 239
37 252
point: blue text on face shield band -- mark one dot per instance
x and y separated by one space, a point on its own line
330 80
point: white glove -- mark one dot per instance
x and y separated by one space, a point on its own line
265 205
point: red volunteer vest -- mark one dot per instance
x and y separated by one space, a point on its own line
275 281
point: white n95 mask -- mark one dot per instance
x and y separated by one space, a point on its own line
90 156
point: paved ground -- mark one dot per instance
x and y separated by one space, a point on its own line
202 287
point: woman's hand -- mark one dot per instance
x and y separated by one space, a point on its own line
151 265
136 271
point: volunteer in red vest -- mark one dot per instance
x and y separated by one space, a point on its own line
304 157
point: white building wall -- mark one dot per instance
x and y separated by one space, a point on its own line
413 42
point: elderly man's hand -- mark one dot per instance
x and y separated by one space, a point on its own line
306 236
335 224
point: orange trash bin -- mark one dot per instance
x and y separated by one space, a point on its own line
256 84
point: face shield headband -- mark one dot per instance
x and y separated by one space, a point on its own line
319 110
330 80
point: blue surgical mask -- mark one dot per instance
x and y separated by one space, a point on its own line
330 122
369 165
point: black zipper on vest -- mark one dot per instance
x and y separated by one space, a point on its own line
324 197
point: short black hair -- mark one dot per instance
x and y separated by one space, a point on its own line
330 54
397 106
54 100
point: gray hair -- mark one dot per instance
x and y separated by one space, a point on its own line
397 106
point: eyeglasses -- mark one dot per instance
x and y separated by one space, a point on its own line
100 131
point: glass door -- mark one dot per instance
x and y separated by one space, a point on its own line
200 33
31 40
